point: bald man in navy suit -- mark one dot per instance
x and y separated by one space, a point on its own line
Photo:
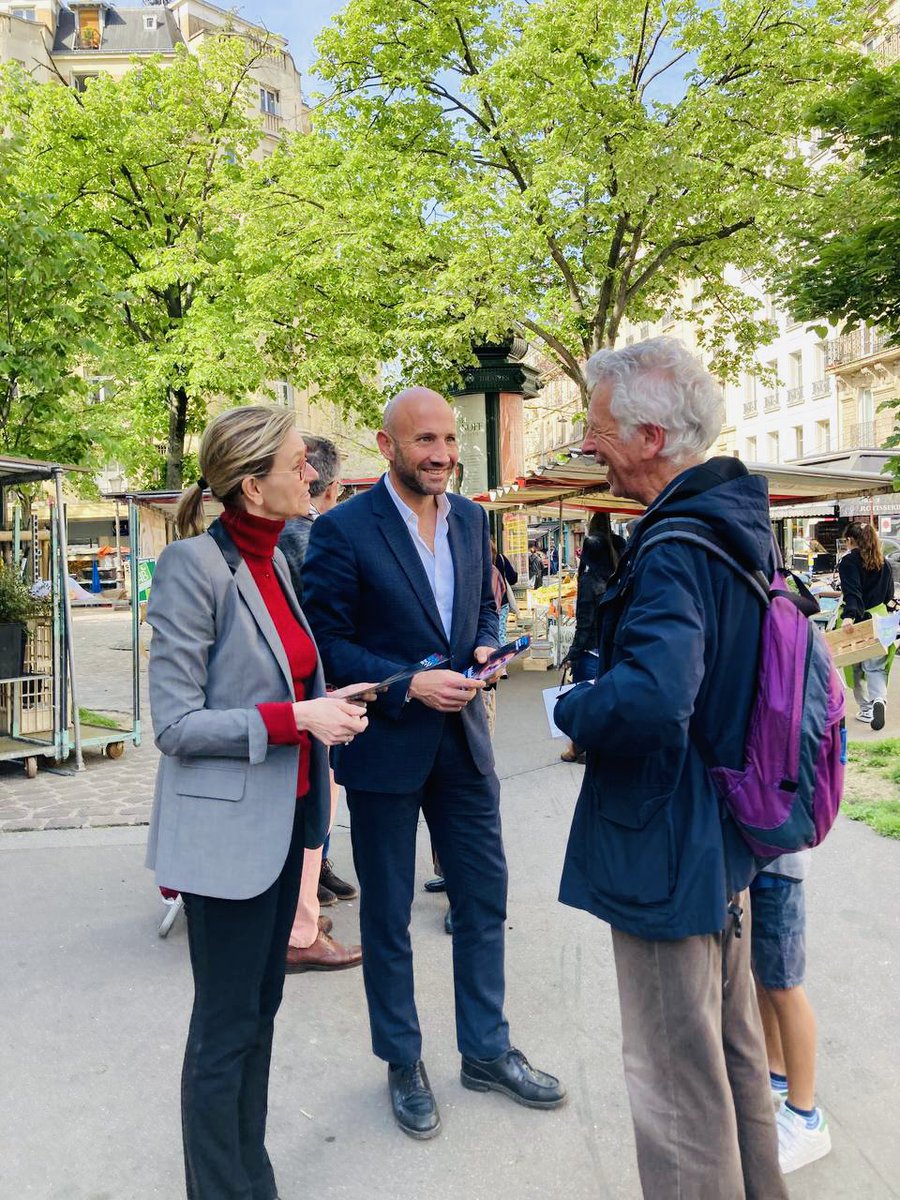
392 576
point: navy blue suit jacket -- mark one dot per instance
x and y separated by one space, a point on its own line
372 610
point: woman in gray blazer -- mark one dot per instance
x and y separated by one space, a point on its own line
243 722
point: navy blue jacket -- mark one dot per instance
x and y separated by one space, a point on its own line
652 850
372 611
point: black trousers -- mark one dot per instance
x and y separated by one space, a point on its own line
462 809
238 950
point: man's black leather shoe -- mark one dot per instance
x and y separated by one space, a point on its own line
412 1099
513 1075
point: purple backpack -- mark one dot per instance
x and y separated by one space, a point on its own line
787 795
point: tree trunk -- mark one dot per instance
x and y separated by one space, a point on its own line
178 407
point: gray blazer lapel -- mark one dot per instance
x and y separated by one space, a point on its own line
398 538
254 601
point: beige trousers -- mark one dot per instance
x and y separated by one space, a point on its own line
305 929
696 1070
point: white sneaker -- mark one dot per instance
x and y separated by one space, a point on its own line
798 1145
877 715
865 715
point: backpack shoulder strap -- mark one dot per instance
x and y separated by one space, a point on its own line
698 532
223 540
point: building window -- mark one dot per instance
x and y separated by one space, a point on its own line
798 441
645 330
268 101
80 82
99 390
24 14
149 21
751 449
823 435
774 448
284 393
866 405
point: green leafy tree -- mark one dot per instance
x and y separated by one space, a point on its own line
554 167
51 307
845 243
147 170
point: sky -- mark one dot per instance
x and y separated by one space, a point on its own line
298 20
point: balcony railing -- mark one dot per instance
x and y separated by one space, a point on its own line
859 437
888 50
795 396
750 409
272 123
850 346
772 402
821 388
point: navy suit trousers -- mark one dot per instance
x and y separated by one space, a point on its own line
462 809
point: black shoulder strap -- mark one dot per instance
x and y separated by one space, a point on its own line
223 540
699 533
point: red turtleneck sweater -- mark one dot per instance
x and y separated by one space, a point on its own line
255 538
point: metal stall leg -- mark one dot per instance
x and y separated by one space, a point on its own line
67 616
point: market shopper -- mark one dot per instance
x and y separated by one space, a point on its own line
867 584
394 575
510 577
311 946
652 851
778 953
240 715
600 553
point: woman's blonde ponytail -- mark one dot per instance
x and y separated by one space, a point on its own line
237 443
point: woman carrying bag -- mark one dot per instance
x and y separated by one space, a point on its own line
243 723
867 584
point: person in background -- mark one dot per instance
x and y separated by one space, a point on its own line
778 952
600 554
311 947
400 572
510 578
240 715
535 567
554 560
652 850
867 584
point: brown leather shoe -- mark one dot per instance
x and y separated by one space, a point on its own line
325 924
325 954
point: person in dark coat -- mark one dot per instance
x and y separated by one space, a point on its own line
398 573
867 584
652 850
600 553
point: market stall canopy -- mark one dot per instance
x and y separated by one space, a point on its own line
581 485
29 470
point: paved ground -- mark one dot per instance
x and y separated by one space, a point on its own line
110 793
107 792
93 1012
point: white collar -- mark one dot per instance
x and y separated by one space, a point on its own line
443 504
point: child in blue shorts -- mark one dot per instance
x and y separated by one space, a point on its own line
778 952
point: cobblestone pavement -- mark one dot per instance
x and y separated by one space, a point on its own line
107 792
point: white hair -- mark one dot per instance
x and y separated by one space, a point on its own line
659 382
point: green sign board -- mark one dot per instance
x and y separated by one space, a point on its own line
146 568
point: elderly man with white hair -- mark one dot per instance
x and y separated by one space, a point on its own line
652 850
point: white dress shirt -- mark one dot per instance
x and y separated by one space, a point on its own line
439 563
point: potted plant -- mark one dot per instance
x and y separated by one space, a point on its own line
16 606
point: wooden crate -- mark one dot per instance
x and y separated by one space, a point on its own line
854 643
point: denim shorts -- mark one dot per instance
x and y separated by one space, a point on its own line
778 933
